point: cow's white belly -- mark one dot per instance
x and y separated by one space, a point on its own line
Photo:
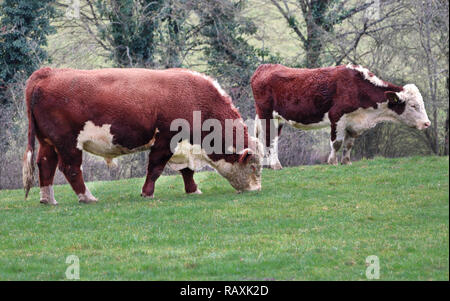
110 151
325 122
98 140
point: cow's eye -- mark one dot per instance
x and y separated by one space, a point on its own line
415 107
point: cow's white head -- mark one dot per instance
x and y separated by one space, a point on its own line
409 107
244 174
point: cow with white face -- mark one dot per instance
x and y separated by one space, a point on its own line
113 112
414 114
349 99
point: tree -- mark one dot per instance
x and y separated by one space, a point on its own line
320 18
24 26
131 30
224 39
227 52
431 57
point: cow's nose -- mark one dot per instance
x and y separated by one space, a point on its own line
426 124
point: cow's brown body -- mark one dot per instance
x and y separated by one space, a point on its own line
135 106
313 98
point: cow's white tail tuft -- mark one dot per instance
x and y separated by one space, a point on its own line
27 171
111 162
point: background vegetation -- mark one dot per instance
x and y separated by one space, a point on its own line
404 41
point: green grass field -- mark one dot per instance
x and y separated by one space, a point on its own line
308 223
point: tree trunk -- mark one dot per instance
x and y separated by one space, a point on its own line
446 147
446 136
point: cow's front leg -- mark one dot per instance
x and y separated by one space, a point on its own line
70 165
337 136
189 184
348 144
335 146
159 155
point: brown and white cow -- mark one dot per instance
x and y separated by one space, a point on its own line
350 99
112 112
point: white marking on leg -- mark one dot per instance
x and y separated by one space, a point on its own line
332 158
86 197
198 191
47 195
274 162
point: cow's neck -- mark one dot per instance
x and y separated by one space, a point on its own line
364 119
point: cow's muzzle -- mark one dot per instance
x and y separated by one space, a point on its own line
423 125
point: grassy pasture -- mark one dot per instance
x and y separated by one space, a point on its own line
308 223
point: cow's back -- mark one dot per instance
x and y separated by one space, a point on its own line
110 93
134 102
296 94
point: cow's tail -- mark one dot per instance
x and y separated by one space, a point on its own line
32 95
28 157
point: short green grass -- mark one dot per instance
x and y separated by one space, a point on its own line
308 223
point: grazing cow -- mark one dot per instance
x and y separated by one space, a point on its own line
350 99
112 112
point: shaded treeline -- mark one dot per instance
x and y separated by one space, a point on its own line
401 41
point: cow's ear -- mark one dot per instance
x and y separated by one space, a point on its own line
245 156
392 97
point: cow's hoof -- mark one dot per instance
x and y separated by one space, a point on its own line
346 162
46 202
198 191
276 166
86 197
146 195
88 201
332 161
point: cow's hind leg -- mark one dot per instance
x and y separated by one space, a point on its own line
189 184
70 165
47 160
348 144
160 154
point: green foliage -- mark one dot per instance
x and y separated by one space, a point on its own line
308 223
229 56
24 26
131 30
